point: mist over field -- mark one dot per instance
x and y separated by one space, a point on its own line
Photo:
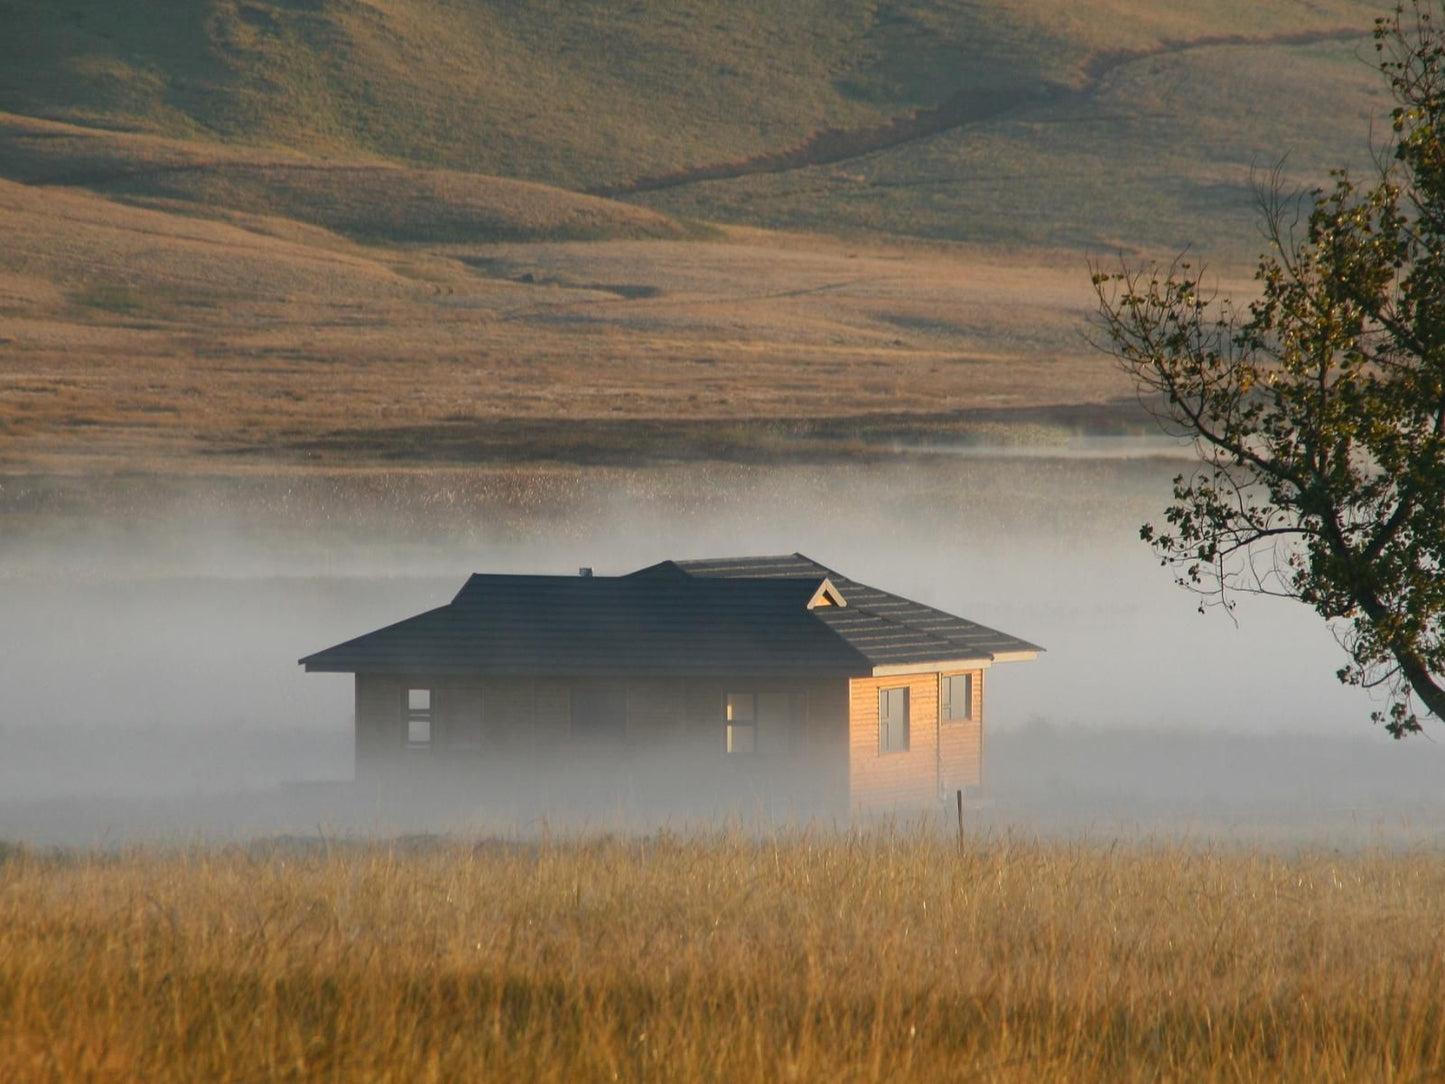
310 309
293 350
153 687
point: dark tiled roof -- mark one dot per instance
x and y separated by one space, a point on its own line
741 615
884 628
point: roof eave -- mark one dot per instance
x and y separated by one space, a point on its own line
931 666
443 670
940 666
1020 655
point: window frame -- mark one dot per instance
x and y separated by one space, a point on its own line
950 713
414 715
732 724
894 733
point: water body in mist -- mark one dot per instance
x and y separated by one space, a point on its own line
151 674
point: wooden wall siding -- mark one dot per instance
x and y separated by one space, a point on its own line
826 748
961 744
460 722
379 726
552 708
675 727
878 780
656 710
830 761
507 714
938 759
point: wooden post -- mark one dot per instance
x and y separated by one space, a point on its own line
959 796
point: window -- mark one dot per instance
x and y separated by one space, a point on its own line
742 723
418 718
893 720
955 697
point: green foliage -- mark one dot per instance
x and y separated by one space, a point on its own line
1319 410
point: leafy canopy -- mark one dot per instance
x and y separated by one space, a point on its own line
1318 410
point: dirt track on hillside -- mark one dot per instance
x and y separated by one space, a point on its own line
832 145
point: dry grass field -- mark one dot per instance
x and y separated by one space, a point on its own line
882 955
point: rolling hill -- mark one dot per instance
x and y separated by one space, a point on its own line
361 231
1104 123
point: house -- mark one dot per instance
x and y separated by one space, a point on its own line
744 684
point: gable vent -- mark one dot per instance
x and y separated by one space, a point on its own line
826 595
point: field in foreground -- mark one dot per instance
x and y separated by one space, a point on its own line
885 955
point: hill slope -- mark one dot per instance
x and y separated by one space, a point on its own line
352 232
978 120
366 199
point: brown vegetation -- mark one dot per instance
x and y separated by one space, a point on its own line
964 107
573 94
152 337
882 956
359 197
265 234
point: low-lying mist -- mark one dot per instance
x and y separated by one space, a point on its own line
148 648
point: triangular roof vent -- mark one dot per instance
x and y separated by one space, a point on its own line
826 595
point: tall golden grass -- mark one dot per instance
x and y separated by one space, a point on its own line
881 955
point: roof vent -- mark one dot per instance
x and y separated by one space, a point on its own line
585 573
827 594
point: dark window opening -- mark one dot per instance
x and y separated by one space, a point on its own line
955 697
893 720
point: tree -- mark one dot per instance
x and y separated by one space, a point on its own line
1318 409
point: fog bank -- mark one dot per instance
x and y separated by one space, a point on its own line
149 653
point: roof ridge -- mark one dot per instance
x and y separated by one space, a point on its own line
747 613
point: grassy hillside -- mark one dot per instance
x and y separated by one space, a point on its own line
1073 126
365 199
138 337
352 231
560 92
1161 152
565 92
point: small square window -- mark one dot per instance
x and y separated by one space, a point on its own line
418 718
